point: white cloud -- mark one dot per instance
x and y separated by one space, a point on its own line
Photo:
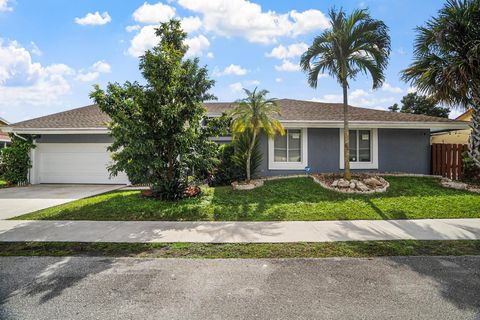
35 49
94 19
233 69
291 51
142 41
24 82
94 71
238 86
360 98
132 28
246 19
146 39
196 45
389 88
210 55
308 21
278 80
4 6
102 67
191 24
288 66
153 13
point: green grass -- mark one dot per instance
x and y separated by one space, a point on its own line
279 200
263 250
3 184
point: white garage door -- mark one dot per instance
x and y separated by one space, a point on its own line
74 163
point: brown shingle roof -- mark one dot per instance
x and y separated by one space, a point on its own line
84 117
92 117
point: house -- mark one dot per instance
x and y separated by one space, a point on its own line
4 137
71 145
454 136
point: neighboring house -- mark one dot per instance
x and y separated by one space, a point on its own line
71 145
4 137
455 136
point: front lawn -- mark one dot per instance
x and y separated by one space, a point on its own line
287 199
3 184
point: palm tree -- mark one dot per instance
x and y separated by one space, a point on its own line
354 44
254 113
446 62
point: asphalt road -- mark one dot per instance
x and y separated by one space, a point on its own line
125 288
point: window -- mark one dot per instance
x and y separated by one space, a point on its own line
289 151
363 148
287 148
360 146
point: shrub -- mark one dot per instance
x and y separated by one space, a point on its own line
227 170
471 172
16 160
242 143
233 158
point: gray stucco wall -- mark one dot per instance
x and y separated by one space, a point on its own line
399 150
402 150
74 138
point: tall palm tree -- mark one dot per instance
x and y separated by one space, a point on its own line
446 62
354 44
254 113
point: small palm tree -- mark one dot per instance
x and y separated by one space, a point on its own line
446 62
254 113
354 44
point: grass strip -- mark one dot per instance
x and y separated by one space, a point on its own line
245 251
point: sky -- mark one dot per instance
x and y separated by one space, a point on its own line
53 51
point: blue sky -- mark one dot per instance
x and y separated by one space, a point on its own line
53 51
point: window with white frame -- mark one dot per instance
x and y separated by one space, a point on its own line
289 151
360 146
288 148
363 146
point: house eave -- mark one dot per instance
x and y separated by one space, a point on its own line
56 130
434 126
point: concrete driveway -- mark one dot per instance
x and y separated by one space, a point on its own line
21 200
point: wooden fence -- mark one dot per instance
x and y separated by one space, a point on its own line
447 160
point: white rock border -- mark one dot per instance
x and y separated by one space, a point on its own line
348 190
457 185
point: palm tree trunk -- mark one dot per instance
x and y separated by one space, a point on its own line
474 139
346 135
249 154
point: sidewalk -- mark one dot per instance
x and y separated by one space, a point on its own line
239 232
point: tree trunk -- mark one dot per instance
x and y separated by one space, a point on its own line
249 154
346 135
474 140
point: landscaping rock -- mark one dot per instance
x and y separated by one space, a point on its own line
372 182
334 184
362 187
352 185
342 183
454 184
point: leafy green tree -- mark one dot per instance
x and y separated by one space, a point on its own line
394 107
16 159
447 62
157 127
354 44
255 113
419 104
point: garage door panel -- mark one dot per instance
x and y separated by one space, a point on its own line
75 163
